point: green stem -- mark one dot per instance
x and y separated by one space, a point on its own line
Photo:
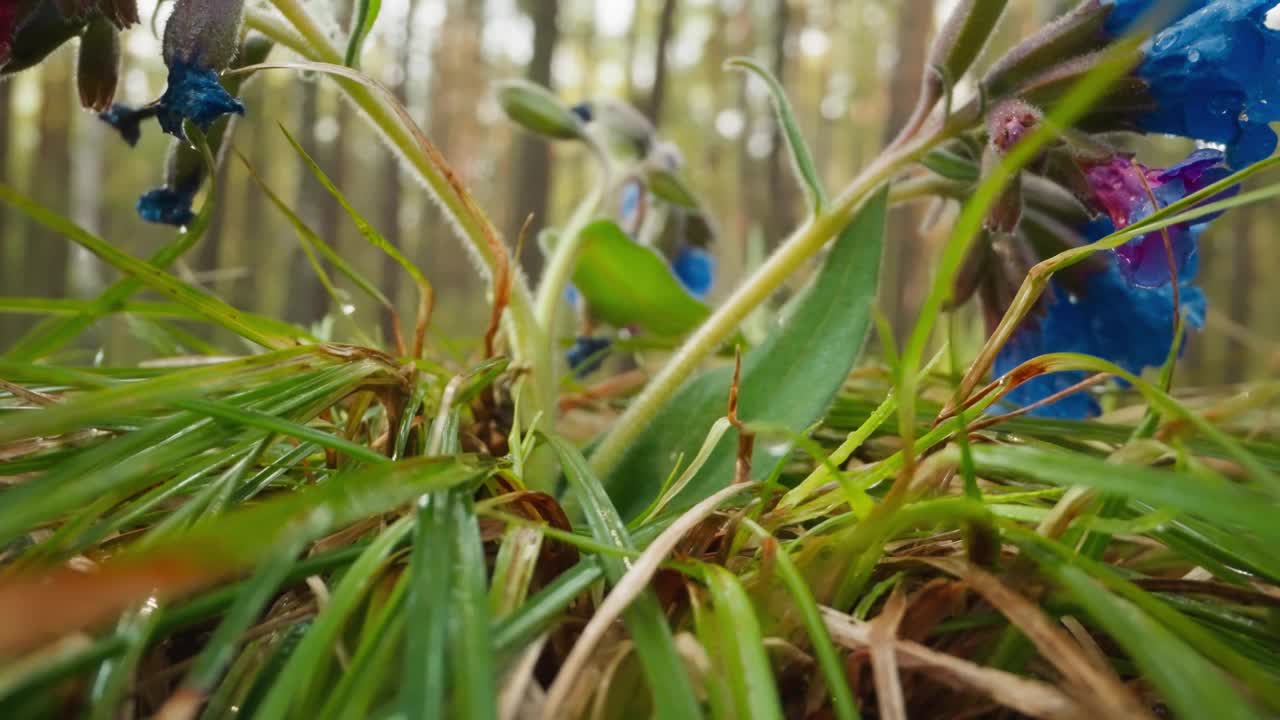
526 336
564 257
789 257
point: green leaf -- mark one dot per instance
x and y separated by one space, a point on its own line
629 284
788 381
362 20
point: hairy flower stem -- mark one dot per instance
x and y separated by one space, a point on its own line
564 257
528 344
806 242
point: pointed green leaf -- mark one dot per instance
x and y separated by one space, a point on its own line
788 381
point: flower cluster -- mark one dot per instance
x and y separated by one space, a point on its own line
200 41
1207 73
646 199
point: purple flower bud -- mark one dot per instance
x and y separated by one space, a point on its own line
1009 122
98 67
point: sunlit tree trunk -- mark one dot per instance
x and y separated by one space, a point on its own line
9 246
904 272
45 260
781 213
657 95
1243 260
532 173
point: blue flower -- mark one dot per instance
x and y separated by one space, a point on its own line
167 206
194 94
587 355
695 268
1095 311
199 42
1213 73
1127 192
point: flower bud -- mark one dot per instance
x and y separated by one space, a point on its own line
537 110
668 186
964 35
1009 122
203 33
1079 32
98 67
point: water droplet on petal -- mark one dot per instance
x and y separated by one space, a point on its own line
1193 56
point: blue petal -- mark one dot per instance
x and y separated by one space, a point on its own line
696 270
1215 76
1102 315
194 94
127 121
587 355
167 206
1126 13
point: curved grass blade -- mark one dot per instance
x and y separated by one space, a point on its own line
801 159
204 304
1215 499
672 692
212 551
743 661
48 337
1188 682
311 243
833 670
426 294
362 20
294 684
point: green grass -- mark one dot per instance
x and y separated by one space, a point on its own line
291 528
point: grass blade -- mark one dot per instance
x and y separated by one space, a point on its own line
672 692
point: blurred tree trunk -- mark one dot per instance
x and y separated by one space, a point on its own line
316 207
45 259
781 210
532 168
657 96
1243 259
904 274
9 258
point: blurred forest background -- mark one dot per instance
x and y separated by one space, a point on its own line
850 66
